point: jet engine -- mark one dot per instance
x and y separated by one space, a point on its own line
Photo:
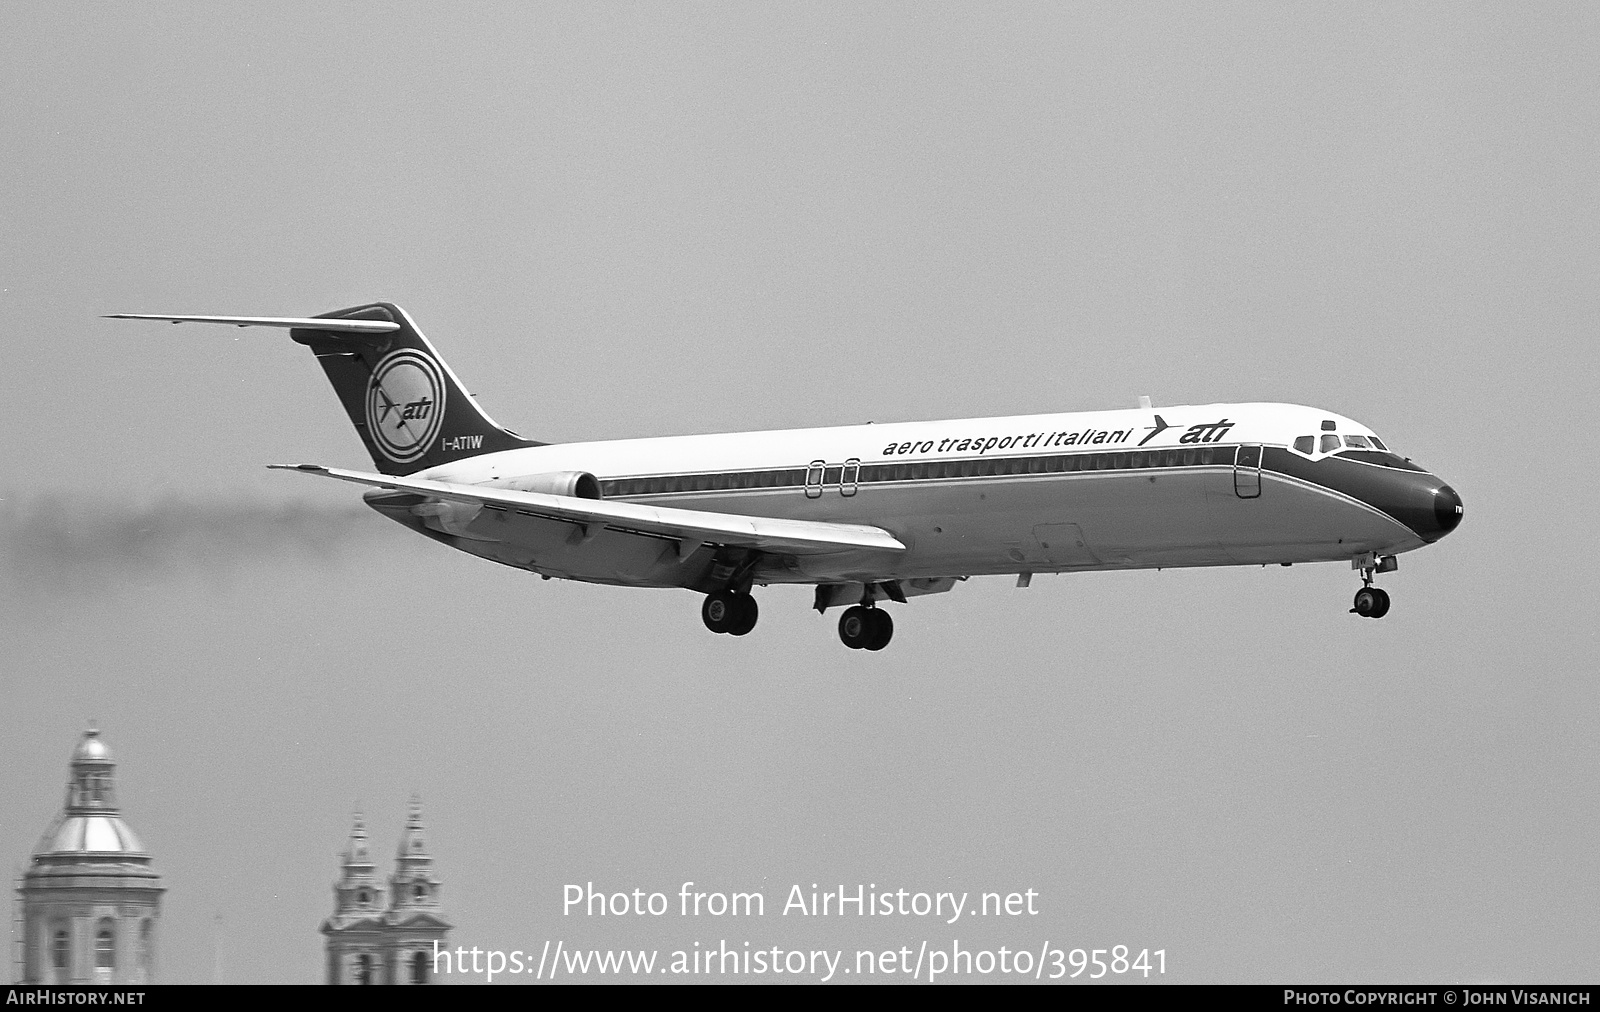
578 484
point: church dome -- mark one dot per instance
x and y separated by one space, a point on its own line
90 823
90 898
88 834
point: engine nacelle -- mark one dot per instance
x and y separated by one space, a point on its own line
578 484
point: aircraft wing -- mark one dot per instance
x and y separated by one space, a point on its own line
288 322
690 528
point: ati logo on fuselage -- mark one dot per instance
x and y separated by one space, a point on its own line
405 405
1208 432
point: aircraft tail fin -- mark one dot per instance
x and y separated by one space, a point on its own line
404 401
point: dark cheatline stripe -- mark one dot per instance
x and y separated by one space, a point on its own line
924 470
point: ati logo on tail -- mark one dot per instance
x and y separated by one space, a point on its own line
405 405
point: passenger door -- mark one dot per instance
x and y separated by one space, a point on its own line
1247 472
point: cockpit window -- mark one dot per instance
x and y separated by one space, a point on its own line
1305 444
1378 443
1358 442
1330 443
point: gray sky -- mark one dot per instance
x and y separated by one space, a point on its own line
659 219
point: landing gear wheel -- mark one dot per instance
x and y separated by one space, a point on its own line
730 612
882 629
1371 602
747 614
1382 607
856 626
720 612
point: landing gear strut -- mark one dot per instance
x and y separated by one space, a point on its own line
865 628
1371 602
729 611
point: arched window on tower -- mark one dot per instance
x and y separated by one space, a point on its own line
105 950
60 946
363 969
419 968
419 891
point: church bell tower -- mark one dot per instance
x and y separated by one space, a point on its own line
370 942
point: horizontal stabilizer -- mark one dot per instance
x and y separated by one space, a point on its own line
302 323
771 534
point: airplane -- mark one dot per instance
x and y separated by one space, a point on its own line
866 514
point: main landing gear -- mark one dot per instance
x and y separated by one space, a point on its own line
729 611
865 628
1371 602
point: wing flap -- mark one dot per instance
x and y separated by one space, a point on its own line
688 527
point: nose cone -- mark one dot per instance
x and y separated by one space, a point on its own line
1447 512
1419 500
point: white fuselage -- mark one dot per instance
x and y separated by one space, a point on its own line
1148 487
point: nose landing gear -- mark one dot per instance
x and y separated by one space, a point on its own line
1371 602
865 628
730 612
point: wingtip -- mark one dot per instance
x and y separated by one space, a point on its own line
314 468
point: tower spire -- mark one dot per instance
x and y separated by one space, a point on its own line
358 893
414 886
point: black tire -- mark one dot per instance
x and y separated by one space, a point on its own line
720 611
1382 607
882 629
1366 602
747 615
855 627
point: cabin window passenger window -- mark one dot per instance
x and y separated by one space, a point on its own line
1305 444
1330 443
